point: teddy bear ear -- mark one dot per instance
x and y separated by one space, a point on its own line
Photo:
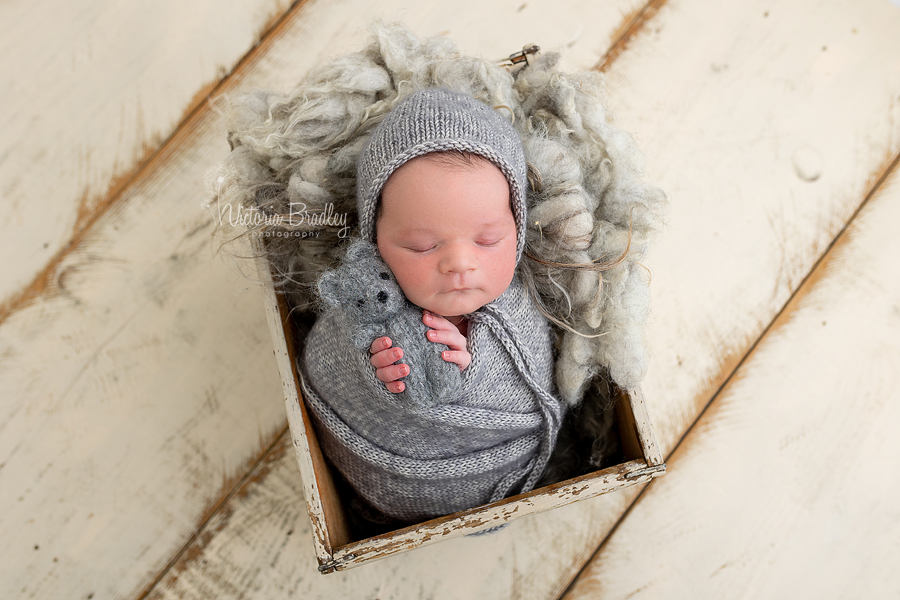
360 250
329 286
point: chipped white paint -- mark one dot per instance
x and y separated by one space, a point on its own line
498 513
721 96
787 487
137 388
129 398
284 353
333 558
271 557
644 429
744 231
86 89
112 476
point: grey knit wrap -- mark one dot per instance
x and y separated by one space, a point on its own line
413 463
439 120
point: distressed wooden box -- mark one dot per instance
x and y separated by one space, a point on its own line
334 546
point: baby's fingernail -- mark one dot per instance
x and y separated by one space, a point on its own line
385 343
404 370
427 317
446 355
395 354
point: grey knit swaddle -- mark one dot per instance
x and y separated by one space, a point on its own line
413 463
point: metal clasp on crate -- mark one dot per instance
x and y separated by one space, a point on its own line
335 563
521 56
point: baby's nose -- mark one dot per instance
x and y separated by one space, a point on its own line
458 261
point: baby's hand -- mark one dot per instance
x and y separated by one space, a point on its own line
444 332
383 359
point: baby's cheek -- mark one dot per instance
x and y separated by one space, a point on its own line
415 282
502 270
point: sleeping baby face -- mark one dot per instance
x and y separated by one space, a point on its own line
446 230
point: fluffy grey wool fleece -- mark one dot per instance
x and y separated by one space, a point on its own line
587 202
372 304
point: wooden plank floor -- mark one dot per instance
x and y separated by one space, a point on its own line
138 384
785 487
142 442
89 91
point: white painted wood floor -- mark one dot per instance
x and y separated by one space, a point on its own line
143 451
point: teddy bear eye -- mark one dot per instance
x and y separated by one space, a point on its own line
382 297
360 302
384 276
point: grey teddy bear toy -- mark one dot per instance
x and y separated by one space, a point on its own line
365 291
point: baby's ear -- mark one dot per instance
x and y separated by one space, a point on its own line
329 286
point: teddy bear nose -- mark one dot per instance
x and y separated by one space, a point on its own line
382 296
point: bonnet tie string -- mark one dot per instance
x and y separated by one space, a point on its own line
504 328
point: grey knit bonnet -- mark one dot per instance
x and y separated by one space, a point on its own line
439 120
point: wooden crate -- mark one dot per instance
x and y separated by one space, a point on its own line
334 545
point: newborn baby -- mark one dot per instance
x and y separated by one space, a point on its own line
441 190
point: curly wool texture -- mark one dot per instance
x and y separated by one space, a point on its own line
587 203
373 305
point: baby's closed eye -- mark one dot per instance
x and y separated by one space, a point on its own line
421 249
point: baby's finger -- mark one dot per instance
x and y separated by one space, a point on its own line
392 373
395 387
460 358
380 344
386 357
437 322
453 339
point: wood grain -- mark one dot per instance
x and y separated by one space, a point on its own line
787 487
767 144
323 505
767 127
89 91
139 386
131 400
